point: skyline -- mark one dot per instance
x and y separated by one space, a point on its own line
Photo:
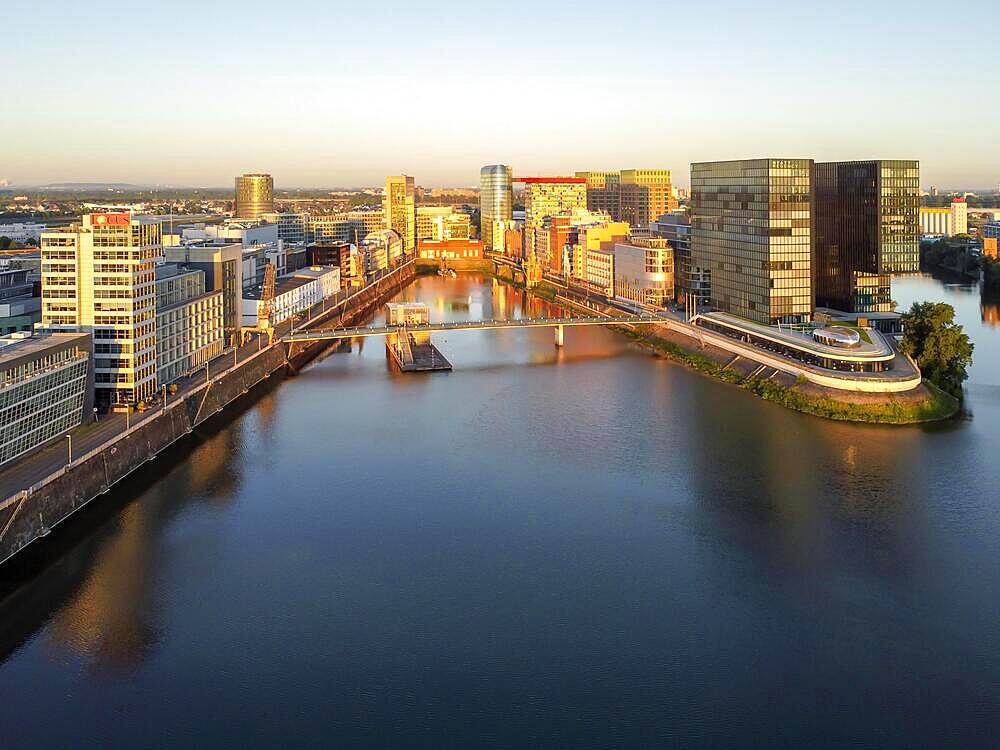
551 89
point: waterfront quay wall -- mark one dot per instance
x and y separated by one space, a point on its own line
774 378
33 512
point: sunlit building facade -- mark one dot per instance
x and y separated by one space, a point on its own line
866 229
440 223
398 207
645 195
496 204
751 229
644 272
189 322
550 196
254 196
99 276
948 221
603 192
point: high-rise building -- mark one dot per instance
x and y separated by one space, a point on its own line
496 204
254 196
603 192
549 196
946 221
99 276
866 228
399 209
751 229
645 195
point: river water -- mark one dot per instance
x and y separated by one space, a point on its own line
577 547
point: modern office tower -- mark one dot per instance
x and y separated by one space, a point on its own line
398 208
866 229
645 195
189 330
254 196
46 388
99 276
751 229
946 221
222 263
549 196
603 192
496 205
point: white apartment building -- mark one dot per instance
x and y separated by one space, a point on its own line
294 293
99 276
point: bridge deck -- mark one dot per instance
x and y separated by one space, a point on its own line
469 325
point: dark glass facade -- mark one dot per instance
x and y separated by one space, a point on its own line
867 228
751 231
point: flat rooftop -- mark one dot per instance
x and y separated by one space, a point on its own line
14 347
878 349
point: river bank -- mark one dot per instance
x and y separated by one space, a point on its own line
926 403
46 498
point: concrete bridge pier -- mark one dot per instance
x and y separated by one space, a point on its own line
559 335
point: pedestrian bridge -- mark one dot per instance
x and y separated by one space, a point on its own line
332 334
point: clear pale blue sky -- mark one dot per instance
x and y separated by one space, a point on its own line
335 93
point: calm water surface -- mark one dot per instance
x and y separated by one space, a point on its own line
586 547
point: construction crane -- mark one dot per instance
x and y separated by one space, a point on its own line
265 310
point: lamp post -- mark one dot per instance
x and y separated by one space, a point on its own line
69 448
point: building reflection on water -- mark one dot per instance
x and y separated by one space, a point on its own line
105 587
990 311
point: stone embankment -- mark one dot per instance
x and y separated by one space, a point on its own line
34 511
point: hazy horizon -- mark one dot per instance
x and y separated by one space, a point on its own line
319 96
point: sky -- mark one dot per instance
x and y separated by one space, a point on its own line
337 94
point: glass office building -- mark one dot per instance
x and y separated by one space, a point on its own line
867 228
46 389
751 230
496 205
254 196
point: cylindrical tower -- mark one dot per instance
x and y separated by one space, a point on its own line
496 204
254 196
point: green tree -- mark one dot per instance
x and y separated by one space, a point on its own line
937 344
6 242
